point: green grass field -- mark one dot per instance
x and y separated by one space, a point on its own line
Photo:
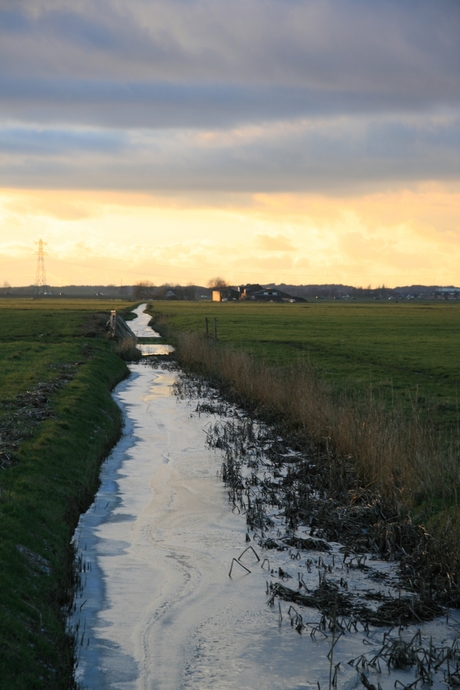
57 423
34 334
405 351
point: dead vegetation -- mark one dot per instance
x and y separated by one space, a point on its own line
403 459
300 496
301 501
379 475
399 654
127 349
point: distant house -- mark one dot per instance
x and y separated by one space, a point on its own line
247 291
253 292
234 294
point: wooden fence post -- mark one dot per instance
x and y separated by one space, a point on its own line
113 322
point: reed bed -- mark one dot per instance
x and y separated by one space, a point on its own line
399 456
369 450
340 469
287 487
400 459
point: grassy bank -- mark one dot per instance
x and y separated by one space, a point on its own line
403 443
57 423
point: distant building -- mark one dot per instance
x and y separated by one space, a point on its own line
247 291
274 295
254 293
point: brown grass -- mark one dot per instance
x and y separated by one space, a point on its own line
398 456
126 349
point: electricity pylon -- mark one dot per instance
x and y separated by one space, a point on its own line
40 274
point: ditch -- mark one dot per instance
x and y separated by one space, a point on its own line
219 554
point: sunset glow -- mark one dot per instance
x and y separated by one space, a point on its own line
305 142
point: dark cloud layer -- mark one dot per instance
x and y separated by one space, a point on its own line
338 155
326 93
152 105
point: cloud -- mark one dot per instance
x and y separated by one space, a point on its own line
275 243
51 206
332 155
392 238
200 63
310 42
55 142
160 104
277 139
212 96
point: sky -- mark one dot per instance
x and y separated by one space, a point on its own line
295 141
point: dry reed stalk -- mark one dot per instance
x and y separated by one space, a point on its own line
398 456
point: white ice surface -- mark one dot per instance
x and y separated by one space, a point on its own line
158 609
140 327
154 349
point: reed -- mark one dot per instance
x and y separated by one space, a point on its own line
126 348
396 454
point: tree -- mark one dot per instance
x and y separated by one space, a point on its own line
143 290
217 283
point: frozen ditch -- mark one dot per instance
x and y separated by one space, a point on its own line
141 328
190 482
